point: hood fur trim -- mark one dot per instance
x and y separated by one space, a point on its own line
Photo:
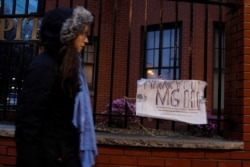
73 25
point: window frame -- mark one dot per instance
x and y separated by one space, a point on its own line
176 67
94 43
216 68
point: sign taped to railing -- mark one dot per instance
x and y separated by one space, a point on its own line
176 100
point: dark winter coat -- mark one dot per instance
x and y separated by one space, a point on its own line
45 135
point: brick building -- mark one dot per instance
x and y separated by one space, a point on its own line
200 40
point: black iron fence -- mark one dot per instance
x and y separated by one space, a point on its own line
19 44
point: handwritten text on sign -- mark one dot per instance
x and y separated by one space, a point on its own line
177 100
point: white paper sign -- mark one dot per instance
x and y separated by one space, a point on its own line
177 100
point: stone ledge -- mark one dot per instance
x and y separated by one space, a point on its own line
106 138
168 142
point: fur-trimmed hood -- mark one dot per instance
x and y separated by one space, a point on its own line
71 27
61 25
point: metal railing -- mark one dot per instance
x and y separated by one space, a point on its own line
15 54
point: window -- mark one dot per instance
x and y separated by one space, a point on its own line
89 59
17 7
19 20
218 72
23 26
163 52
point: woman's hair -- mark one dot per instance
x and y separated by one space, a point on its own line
69 70
70 64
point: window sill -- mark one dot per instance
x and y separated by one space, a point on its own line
106 138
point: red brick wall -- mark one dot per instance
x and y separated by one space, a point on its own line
107 44
7 152
136 156
236 74
118 156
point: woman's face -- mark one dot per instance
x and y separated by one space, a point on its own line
81 39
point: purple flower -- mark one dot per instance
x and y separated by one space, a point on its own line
210 129
120 107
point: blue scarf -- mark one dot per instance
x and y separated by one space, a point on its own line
83 120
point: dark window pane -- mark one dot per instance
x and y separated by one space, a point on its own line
157 39
150 40
156 58
166 57
166 38
150 58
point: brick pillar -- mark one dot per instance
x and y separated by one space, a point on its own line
237 72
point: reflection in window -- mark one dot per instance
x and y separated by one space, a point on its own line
27 29
14 60
20 28
12 7
162 58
